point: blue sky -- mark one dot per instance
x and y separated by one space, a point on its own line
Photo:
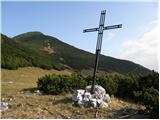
66 21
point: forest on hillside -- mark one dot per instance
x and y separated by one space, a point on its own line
28 50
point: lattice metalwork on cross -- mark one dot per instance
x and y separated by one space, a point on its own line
100 30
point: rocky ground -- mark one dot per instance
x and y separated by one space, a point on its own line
18 90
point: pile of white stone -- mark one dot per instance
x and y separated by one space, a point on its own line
98 99
3 106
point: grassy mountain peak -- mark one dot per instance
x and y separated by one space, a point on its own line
54 53
27 34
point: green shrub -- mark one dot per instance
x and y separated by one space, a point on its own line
57 84
78 81
54 84
108 84
138 96
151 101
151 97
149 80
126 86
13 62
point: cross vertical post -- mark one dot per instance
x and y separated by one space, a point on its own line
98 47
100 30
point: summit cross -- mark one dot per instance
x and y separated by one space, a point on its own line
100 30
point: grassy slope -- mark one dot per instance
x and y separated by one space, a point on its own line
17 55
23 78
76 58
16 86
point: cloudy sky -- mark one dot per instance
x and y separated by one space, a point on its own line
143 50
136 41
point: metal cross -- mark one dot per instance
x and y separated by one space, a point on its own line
100 30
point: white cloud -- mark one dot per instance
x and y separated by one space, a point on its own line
145 28
143 50
109 36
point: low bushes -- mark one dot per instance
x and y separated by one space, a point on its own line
121 86
150 98
57 84
143 89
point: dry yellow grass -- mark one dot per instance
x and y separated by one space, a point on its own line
26 104
23 78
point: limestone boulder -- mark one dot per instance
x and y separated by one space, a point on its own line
98 99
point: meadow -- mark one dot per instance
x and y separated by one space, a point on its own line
17 89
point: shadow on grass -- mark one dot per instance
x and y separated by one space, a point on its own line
31 90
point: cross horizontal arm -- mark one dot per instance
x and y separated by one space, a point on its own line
90 30
112 27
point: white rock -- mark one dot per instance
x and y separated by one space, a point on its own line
3 106
93 102
107 98
38 91
87 97
103 105
99 91
10 82
77 96
98 99
88 88
3 99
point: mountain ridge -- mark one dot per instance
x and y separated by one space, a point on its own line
70 56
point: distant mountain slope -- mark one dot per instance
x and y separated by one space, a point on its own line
14 55
66 55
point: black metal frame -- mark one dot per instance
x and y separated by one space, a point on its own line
99 42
